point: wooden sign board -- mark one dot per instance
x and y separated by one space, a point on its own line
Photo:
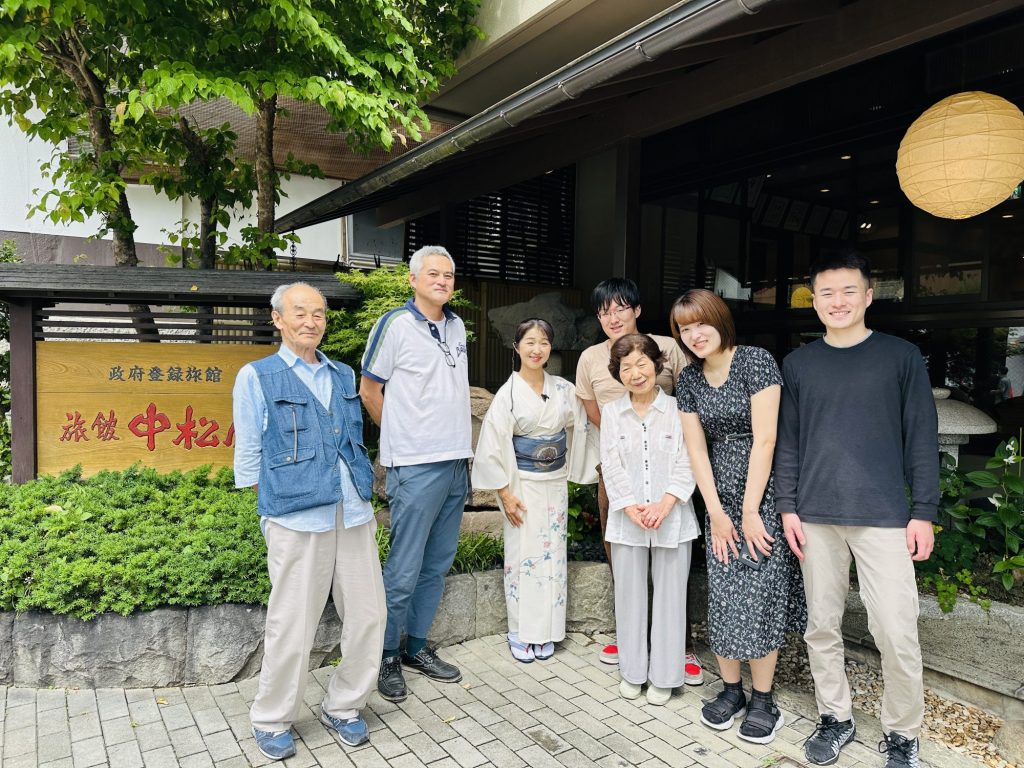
109 405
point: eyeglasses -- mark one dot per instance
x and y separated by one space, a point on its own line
443 345
619 312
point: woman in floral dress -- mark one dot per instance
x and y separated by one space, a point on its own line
728 398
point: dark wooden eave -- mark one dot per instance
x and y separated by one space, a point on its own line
158 285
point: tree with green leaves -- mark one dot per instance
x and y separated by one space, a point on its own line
368 63
107 74
62 64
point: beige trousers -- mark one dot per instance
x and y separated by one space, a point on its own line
303 568
889 592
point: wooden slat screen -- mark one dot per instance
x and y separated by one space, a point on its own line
523 233
425 230
114 323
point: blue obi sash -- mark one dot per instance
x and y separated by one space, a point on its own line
540 454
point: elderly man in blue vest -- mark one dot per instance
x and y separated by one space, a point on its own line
298 428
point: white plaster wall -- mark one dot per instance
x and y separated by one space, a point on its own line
21 159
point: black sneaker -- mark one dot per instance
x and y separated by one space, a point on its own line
900 752
390 680
426 662
830 736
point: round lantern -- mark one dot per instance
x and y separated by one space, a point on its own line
962 156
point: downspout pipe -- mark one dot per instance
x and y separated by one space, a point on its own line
682 23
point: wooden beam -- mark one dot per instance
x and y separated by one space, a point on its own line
23 393
159 285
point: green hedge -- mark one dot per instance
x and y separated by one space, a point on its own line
137 540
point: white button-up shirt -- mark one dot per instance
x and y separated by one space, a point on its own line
641 460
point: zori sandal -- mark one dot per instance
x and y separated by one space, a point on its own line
520 651
543 651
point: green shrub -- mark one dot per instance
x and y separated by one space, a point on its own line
137 540
129 541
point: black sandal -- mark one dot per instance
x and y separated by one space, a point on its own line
721 712
763 719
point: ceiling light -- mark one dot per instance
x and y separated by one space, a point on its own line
824 189
1007 215
873 202
845 157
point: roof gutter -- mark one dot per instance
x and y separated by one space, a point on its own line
682 23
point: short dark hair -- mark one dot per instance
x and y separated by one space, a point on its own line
699 305
841 258
635 342
530 323
620 290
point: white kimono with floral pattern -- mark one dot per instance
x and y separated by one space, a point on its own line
535 552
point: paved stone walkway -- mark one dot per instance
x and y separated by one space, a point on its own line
561 713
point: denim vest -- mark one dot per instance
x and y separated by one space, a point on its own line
303 440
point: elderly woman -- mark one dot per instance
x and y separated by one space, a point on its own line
730 394
527 452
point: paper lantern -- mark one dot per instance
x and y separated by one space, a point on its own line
962 156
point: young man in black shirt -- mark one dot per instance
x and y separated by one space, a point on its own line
857 422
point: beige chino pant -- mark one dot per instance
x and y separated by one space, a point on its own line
889 592
303 568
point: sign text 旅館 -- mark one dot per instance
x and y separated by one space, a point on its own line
110 405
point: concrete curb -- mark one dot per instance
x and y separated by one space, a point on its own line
210 645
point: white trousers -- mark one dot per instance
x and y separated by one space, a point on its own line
304 568
662 662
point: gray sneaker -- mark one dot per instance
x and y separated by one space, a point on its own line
830 736
899 751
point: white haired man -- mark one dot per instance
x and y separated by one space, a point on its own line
415 385
299 443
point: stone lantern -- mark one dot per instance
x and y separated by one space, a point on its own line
957 422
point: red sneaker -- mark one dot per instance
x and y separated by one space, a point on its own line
693 670
610 654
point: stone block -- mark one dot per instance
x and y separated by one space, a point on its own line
6 648
224 642
491 613
1009 741
591 601
109 651
490 521
455 621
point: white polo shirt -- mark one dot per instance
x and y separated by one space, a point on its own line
426 414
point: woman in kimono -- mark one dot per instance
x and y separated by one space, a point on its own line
526 454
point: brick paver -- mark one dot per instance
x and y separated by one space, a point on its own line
561 713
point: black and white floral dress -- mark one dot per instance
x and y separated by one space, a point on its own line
749 611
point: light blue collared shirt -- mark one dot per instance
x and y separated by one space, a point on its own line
250 416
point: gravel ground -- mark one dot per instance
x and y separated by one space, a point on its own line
960 727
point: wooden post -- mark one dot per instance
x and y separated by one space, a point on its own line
23 392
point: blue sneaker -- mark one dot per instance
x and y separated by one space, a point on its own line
275 746
351 732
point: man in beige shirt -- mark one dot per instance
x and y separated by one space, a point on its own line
617 304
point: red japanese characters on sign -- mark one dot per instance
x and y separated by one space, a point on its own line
109 406
147 425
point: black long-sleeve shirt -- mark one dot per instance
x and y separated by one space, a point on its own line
855 424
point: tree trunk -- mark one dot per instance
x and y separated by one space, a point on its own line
207 233
120 221
266 175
